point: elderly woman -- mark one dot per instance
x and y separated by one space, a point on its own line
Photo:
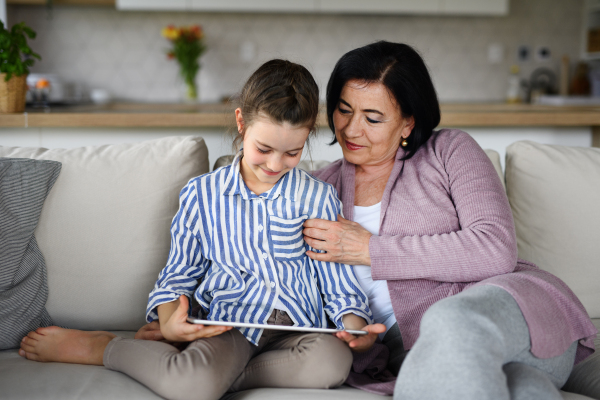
430 233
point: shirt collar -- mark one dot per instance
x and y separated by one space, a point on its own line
287 186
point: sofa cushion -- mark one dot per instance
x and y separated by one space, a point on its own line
495 159
24 185
554 192
313 165
104 228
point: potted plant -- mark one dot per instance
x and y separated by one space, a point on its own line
188 46
15 59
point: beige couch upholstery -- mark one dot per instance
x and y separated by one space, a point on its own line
104 232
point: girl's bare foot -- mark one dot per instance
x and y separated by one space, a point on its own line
65 345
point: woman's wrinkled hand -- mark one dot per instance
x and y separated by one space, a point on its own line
344 241
177 329
362 343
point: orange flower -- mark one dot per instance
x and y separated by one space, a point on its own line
42 83
197 31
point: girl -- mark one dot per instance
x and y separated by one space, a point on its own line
237 249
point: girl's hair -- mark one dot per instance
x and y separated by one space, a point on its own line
282 91
403 72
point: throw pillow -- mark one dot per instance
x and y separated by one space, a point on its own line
24 185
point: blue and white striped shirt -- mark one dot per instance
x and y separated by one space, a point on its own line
248 253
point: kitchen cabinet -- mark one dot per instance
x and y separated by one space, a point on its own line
153 5
381 6
475 7
305 6
393 7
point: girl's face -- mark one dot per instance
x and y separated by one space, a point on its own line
369 124
270 150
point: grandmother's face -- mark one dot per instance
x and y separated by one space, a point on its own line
369 124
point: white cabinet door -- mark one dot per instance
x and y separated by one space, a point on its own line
475 7
381 6
308 6
153 5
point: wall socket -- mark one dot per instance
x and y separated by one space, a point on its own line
523 53
542 53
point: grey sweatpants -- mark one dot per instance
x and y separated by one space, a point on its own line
208 368
476 346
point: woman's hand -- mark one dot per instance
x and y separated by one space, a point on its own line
345 241
364 342
177 329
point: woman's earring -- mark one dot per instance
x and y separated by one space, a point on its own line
404 143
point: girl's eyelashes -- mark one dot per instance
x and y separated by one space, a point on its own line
373 121
343 111
268 151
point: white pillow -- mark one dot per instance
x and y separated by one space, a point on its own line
104 228
554 193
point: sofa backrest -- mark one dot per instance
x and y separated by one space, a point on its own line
105 227
554 193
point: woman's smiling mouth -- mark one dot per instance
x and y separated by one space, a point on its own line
353 146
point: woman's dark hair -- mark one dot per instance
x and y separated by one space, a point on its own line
282 91
403 72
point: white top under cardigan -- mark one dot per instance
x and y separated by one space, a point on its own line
377 291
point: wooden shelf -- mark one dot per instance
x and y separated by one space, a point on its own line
219 115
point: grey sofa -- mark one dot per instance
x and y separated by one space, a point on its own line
104 233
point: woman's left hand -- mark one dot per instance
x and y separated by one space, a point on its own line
364 342
345 241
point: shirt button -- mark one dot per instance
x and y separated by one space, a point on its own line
264 256
272 284
260 228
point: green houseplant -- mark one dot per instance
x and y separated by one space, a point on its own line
15 59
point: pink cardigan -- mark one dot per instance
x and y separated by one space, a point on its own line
446 225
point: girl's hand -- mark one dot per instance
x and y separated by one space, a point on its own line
150 331
364 342
177 329
345 241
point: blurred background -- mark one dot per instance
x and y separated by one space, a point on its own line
469 51
494 52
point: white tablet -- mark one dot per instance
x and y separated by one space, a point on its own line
276 327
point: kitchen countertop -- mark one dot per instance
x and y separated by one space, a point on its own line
221 115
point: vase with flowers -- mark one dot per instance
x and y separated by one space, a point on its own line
15 59
188 46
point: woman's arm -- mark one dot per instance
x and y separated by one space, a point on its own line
485 245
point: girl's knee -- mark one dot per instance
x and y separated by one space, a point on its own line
182 380
327 362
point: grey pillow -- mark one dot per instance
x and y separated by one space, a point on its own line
24 185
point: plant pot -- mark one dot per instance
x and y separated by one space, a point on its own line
12 94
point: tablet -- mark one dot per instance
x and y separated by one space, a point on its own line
275 327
